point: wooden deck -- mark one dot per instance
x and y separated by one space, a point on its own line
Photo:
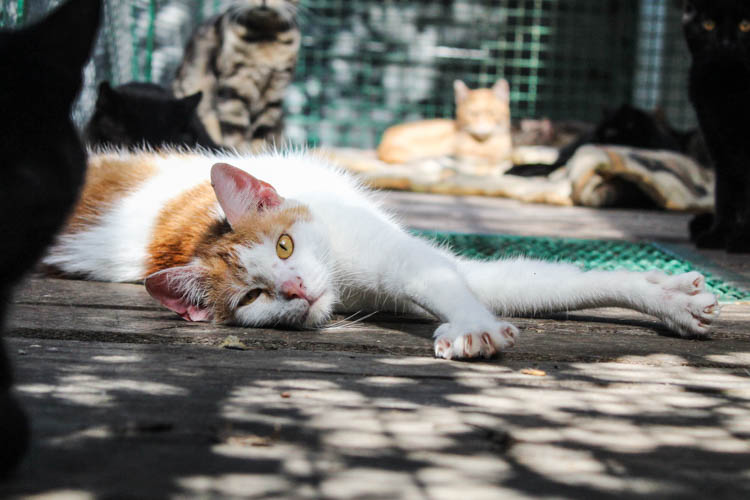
129 401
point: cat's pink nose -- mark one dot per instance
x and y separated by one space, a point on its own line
294 289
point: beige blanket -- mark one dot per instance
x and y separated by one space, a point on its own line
596 176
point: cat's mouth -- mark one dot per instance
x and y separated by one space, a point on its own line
481 134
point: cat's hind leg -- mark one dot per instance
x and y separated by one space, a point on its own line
521 286
682 303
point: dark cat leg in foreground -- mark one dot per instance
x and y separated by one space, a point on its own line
42 164
14 427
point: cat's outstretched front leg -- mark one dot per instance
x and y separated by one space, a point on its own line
411 271
432 280
521 286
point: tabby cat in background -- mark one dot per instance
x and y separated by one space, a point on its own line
480 133
43 161
145 114
718 36
242 60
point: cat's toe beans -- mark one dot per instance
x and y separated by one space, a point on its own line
691 283
703 309
511 333
487 348
468 346
452 343
705 305
443 348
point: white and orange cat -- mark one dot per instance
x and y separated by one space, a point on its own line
287 239
479 134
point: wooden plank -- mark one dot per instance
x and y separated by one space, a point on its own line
590 335
157 421
496 215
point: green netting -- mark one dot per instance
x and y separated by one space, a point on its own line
366 64
588 254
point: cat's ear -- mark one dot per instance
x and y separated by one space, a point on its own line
239 193
177 288
460 91
65 37
105 95
191 102
501 89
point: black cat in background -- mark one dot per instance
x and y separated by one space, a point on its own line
625 126
718 36
145 114
42 162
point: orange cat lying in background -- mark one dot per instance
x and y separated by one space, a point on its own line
480 133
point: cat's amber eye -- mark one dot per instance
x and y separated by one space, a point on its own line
250 297
285 246
709 25
745 26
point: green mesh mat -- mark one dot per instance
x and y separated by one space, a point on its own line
588 254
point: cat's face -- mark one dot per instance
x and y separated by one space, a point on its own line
276 274
268 265
717 29
630 126
483 112
135 114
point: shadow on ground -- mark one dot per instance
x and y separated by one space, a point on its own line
136 421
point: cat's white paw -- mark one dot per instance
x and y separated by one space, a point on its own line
686 306
458 341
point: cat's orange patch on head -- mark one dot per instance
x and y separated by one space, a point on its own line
181 225
109 178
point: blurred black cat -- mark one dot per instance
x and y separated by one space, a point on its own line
42 161
138 114
625 126
718 36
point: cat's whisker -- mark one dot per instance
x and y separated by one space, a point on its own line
344 323
337 323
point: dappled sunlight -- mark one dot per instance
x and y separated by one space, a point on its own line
244 485
370 482
732 358
133 358
580 467
91 390
413 361
97 432
307 364
625 363
62 494
387 381
252 425
573 405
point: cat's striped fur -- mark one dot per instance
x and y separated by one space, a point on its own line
242 60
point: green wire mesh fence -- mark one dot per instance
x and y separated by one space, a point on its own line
366 64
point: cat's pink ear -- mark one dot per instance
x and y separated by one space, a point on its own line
501 89
239 193
174 287
460 91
